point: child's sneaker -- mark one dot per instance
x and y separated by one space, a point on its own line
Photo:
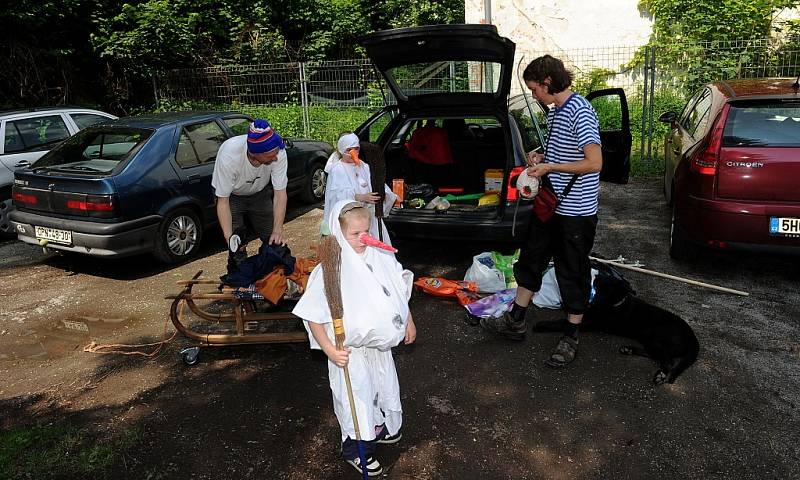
373 467
384 437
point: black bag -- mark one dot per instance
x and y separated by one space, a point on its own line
546 201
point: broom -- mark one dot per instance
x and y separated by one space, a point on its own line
330 256
373 155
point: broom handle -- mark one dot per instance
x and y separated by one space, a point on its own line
672 277
338 330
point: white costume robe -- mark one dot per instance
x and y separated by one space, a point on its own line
345 180
375 294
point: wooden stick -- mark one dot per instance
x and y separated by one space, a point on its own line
330 257
671 277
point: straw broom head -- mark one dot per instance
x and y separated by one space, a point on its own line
330 255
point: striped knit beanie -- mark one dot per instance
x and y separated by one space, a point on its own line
262 138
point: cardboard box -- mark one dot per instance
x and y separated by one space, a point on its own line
493 180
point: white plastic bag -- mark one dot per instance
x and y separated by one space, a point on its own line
486 277
549 296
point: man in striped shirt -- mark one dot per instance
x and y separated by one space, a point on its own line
573 150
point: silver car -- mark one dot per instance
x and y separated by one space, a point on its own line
30 133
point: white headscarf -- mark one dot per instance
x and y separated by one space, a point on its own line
346 141
375 294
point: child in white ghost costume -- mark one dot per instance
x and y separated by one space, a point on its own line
375 292
349 179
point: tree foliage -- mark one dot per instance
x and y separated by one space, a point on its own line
703 40
103 52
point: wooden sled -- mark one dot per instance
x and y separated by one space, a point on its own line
241 318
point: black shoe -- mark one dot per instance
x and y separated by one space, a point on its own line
505 327
384 437
373 467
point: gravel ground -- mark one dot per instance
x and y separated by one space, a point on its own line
475 407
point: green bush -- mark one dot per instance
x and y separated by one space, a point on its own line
327 122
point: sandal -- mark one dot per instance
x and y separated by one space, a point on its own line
564 353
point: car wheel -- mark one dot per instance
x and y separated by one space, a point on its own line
178 236
314 190
680 248
5 222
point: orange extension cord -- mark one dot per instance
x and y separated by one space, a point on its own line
113 348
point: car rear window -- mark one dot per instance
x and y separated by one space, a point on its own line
447 77
94 151
763 125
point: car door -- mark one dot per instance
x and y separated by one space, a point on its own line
25 140
611 106
195 155
374 128
683 133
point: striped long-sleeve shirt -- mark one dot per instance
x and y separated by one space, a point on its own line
571 127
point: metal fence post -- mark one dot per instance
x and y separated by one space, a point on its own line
652 104
304 100
643 136
155 91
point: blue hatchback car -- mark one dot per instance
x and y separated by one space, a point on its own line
141 185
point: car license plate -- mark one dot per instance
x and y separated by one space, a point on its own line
784 226
54 235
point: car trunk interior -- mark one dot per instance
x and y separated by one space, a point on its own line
462 160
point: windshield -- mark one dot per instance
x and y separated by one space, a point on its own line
94 151
446 77
763 125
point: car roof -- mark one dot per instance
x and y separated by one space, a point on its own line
157 120
754 88
23 111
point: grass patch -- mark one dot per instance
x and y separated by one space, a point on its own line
50 451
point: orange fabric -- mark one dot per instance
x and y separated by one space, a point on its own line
302 270
273 286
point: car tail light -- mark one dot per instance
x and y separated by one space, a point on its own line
90 206
707 161
512 193
94 205
24 198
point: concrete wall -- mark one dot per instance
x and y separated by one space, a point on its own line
553 26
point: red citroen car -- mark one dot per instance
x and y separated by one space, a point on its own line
732 171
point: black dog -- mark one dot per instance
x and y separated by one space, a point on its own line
615 309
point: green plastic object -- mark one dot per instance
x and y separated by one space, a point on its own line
505 263
461 198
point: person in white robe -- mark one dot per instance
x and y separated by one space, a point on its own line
375 293
349 179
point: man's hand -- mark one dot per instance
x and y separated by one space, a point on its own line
534 158
411 331
234 242
538 170
372 197
277 237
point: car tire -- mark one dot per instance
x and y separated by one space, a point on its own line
680 247
179 236
314 189
5 222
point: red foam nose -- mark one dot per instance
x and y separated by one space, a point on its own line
368 239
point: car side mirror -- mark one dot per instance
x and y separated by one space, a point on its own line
668 117
289 143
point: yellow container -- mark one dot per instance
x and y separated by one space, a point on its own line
489 199
493 180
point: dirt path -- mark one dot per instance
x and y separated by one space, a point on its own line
475 407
